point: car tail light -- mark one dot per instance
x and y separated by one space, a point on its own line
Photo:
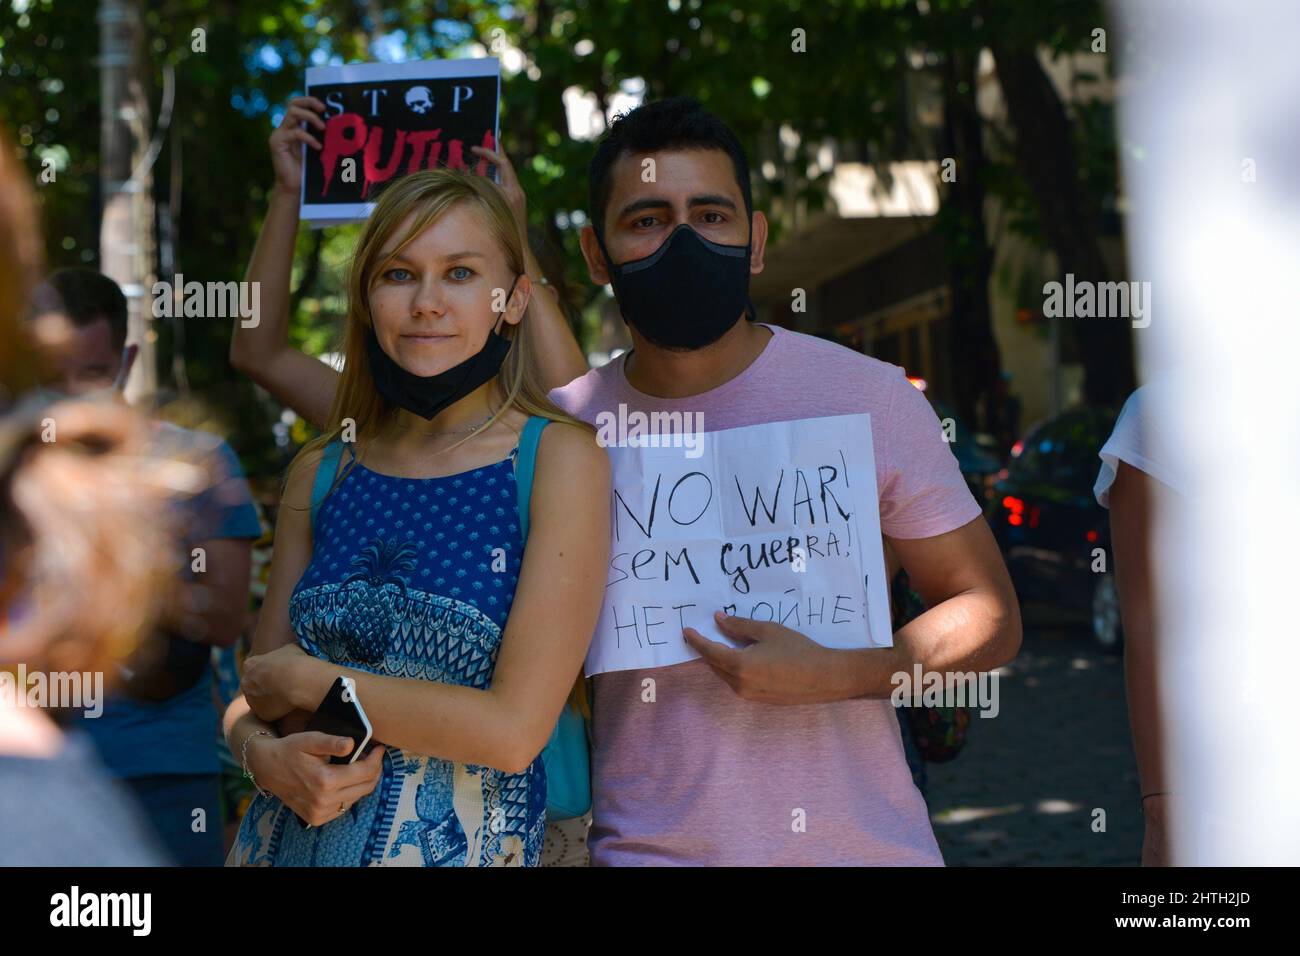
1015 510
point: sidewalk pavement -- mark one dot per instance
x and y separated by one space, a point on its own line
1026 788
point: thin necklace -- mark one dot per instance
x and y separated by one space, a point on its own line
459 431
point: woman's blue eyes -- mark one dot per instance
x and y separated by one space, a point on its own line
402 275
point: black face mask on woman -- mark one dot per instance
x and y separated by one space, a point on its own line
686 294
427 395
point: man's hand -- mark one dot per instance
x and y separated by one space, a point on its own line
297 770
777 665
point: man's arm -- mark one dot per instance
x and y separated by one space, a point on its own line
558 357
973 621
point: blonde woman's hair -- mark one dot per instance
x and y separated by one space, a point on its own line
430 194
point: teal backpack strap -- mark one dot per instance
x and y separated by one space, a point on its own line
566 755
525 460
325 472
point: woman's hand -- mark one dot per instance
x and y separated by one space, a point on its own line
509 185
270 681
297 770
286 142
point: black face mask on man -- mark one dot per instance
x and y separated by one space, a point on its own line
427 395
686 294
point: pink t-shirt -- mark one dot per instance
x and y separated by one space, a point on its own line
702 777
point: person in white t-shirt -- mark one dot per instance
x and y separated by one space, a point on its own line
1136 472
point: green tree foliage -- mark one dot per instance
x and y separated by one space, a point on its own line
854 82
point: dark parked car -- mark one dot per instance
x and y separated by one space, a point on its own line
1048 523
976 458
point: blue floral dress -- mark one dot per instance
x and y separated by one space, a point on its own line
412 578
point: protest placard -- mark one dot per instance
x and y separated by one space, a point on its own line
775 522
386 119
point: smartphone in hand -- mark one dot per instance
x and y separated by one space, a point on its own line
340 714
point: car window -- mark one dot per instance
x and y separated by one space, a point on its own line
1063 452
1076 462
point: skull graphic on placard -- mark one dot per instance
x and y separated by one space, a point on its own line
419 99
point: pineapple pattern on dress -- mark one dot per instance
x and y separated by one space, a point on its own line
402 582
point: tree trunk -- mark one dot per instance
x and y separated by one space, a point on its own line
970 259
310 272
126 242
1045 156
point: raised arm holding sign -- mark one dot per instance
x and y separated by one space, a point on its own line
261 348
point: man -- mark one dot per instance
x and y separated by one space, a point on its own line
742 744
158 736
714 772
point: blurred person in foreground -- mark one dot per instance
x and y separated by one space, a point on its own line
157 734
80 550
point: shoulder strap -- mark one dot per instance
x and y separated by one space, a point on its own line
525 460
325 472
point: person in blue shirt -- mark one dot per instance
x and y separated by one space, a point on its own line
157 733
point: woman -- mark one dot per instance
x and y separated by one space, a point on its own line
308 386
407 581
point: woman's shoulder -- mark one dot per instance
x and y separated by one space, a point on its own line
576 438
571 450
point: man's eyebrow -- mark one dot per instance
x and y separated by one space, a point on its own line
708 199
647 203
711 200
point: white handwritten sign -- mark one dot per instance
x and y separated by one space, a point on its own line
776 522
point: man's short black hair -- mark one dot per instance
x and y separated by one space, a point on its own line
84 296
679 122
